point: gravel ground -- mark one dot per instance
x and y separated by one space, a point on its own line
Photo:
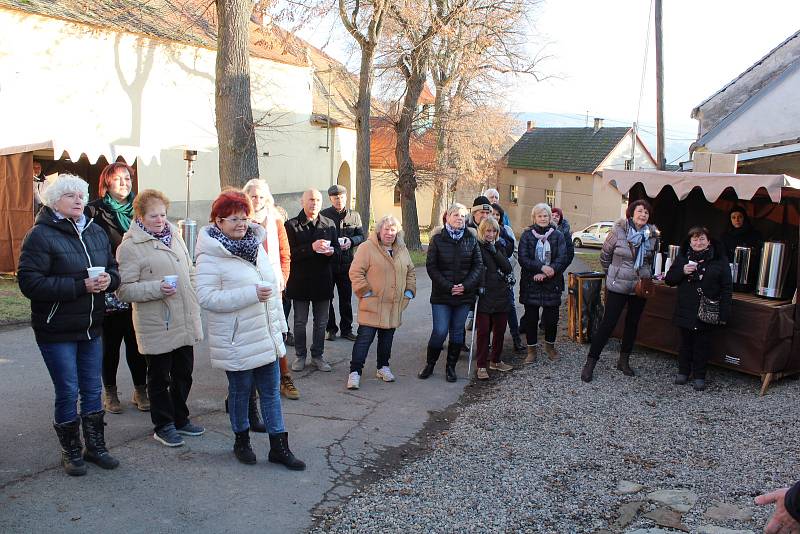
537 450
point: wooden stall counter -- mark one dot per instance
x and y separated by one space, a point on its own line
757 339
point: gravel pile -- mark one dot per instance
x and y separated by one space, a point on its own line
540 451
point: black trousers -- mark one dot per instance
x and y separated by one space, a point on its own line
549 319
116 328
615 303
345 290
169 379
693 356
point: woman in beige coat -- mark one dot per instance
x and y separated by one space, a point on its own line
157 276
384 281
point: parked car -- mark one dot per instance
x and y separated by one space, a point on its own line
593 235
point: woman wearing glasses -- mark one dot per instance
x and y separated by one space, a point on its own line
240 293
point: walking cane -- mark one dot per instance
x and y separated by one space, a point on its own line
474 327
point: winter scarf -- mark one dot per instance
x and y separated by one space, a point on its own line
245 248
542 244
165 235
640 241
456 234
122 212
699 257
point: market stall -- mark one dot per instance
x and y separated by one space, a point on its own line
762 337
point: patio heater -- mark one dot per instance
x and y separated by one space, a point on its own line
188 226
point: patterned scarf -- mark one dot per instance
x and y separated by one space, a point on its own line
122 212
640 241
455 233
245 248
542 244
165 235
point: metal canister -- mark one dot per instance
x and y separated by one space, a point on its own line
673 252
188 228
741 266
772 270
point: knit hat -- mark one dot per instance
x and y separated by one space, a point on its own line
481 203
337 189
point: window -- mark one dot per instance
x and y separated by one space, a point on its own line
628 164
514 171
550 197
396 196
513 193
604 229
577 178
591 229
549 174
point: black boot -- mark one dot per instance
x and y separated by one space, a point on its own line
623 364
69 436
242 449
453 350
588 369
279 452
433 356
94 435
256 424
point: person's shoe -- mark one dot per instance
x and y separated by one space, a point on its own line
111 402
288 389
588 369
190 429
482 374
299 364
242 449
500 366
519 346
94 436
430 363
330 336
533 353
69 437
354 380
140 398
681 380
279 452
321 364
699 384
256 424
623 364
385 374
453 351
550 350
289 342
350 336
168 436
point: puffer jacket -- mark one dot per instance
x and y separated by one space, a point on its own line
547 292
243 333
617 259
716 284
162 324
386 277
450 262
495 289
51 273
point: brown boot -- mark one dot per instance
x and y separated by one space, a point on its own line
623 364
288 389
533 352
140 398
550 350
111 400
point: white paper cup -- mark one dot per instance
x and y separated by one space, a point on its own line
94 272
327 244
342 241
262 283
172 279
692 262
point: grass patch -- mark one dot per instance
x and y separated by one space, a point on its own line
14 307
418 257
591 259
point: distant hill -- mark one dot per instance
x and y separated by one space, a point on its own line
675 150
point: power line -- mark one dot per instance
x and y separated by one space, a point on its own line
644 62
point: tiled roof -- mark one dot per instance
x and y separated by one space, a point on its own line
343 88
383 140
564 149
192 22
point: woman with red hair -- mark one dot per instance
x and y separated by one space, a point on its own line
113 212
240 293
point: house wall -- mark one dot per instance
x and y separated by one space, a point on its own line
98 91
382 198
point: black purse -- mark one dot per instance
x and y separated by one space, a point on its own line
708 311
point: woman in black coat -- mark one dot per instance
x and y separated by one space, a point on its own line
455 266
493 304
740 233
700 267
58 271
544 258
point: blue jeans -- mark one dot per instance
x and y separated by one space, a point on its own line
75 368
448 319
267 379
366 335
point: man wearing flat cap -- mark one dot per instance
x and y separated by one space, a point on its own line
348 224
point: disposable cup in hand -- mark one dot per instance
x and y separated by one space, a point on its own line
327 244
94 272
172 279
262 284
342 241
692 262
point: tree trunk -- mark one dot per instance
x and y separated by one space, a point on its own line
363 111
440 174
238 157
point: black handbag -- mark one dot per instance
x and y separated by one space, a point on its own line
708 311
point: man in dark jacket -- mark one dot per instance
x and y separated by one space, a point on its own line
786 518
348 226
313 243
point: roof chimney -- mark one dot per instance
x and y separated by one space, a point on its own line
531 125
598 123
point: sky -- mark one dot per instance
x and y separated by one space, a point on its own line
596 50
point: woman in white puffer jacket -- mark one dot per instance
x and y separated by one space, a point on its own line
239 293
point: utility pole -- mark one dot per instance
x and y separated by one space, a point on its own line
661 160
